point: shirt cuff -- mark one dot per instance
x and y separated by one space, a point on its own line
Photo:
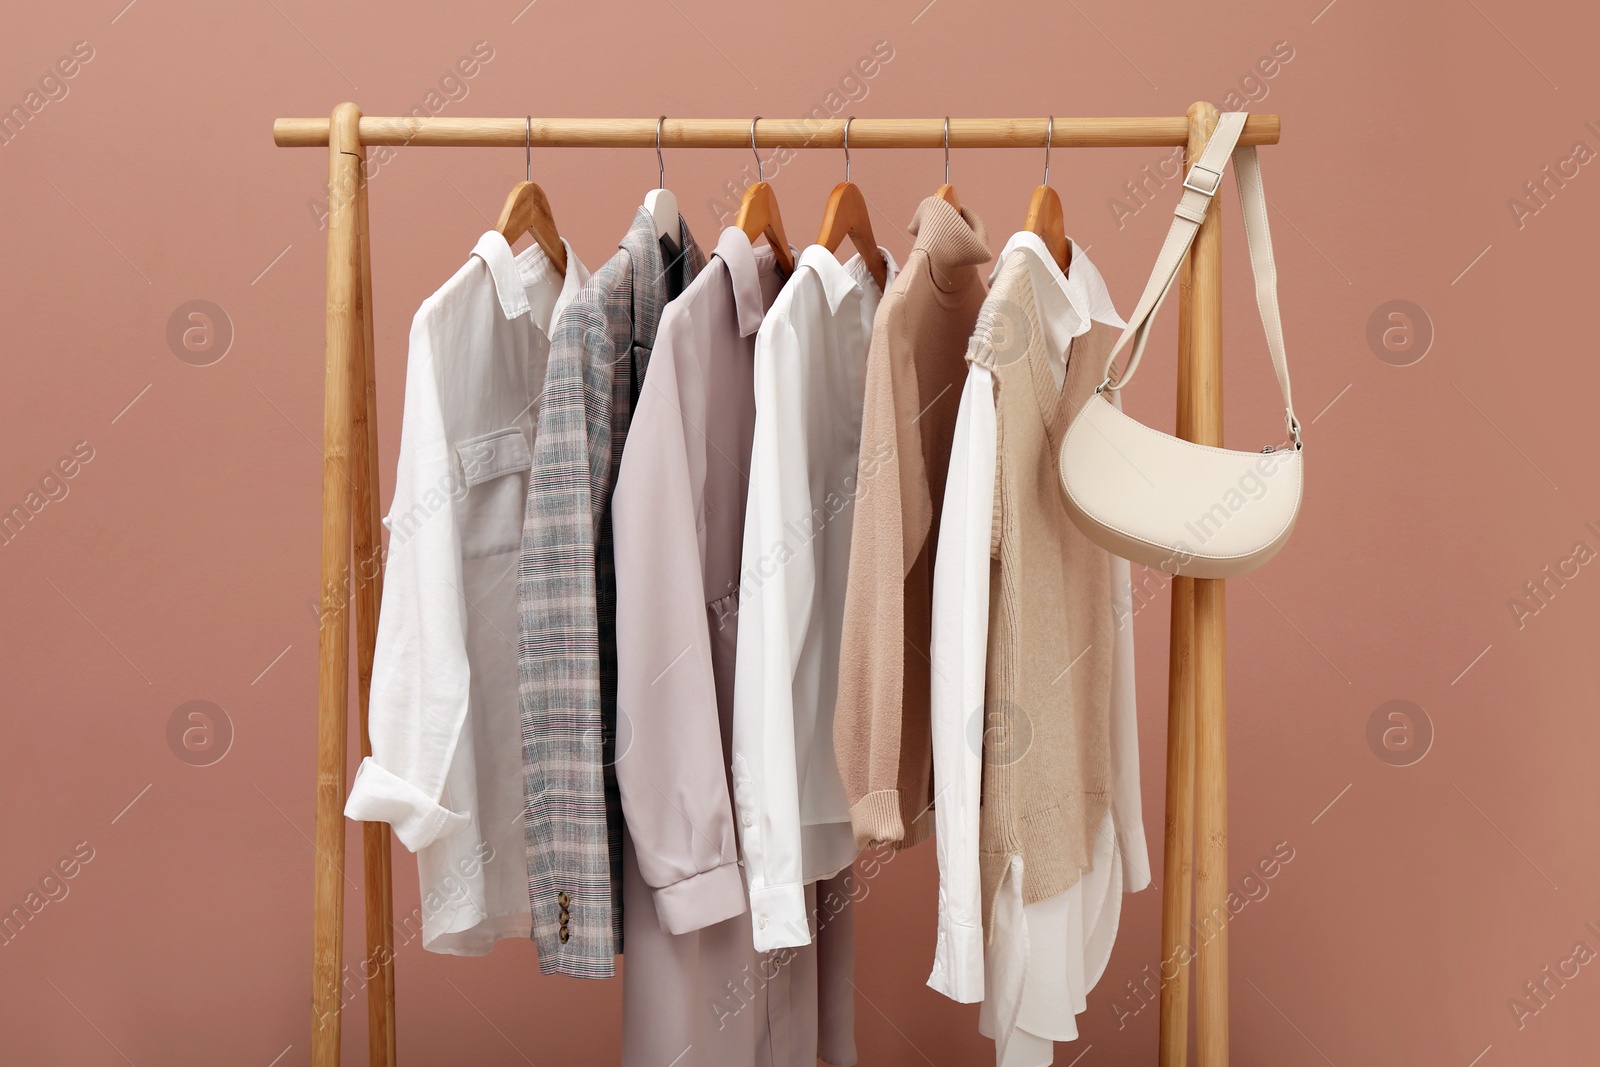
382 796
958 962
1135 859
700 900
778 917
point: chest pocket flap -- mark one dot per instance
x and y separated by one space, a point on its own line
494 469
493 454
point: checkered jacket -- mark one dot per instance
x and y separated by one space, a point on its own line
566 592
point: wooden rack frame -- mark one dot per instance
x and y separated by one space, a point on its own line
1196 802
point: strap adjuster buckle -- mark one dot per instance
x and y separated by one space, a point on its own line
1214 175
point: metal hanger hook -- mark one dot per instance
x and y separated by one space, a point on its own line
947 149
761 174
527 149
847 123
1049 135
661 166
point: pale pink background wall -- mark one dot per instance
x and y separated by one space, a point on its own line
179 560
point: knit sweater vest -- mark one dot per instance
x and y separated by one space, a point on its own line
882 727
1046 769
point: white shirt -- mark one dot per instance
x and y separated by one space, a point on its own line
810 367
446 763
1045 957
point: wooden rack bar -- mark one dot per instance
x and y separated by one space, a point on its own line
1196 804
770 133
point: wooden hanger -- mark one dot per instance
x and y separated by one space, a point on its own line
947 192
527 210
758 217
1044 212
846 214
758 212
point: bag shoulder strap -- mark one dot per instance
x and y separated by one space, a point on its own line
1200 184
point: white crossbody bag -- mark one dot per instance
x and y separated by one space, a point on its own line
1162 501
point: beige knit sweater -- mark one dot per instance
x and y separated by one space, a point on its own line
915 366
1047 762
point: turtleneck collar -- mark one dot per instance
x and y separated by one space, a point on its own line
954 241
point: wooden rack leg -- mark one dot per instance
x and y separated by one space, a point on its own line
377 968
1210 711
1178 878
344 340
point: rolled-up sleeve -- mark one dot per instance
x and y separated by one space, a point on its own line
669 742
420 674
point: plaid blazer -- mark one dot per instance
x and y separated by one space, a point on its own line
566 600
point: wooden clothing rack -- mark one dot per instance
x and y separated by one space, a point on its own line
1196 803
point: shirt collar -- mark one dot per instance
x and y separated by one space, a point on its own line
1084 288
734 249
840 280
547 293
495 252
527 283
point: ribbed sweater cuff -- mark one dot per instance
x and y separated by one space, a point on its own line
876 817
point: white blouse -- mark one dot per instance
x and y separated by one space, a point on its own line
1044 957
810 367
446 763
